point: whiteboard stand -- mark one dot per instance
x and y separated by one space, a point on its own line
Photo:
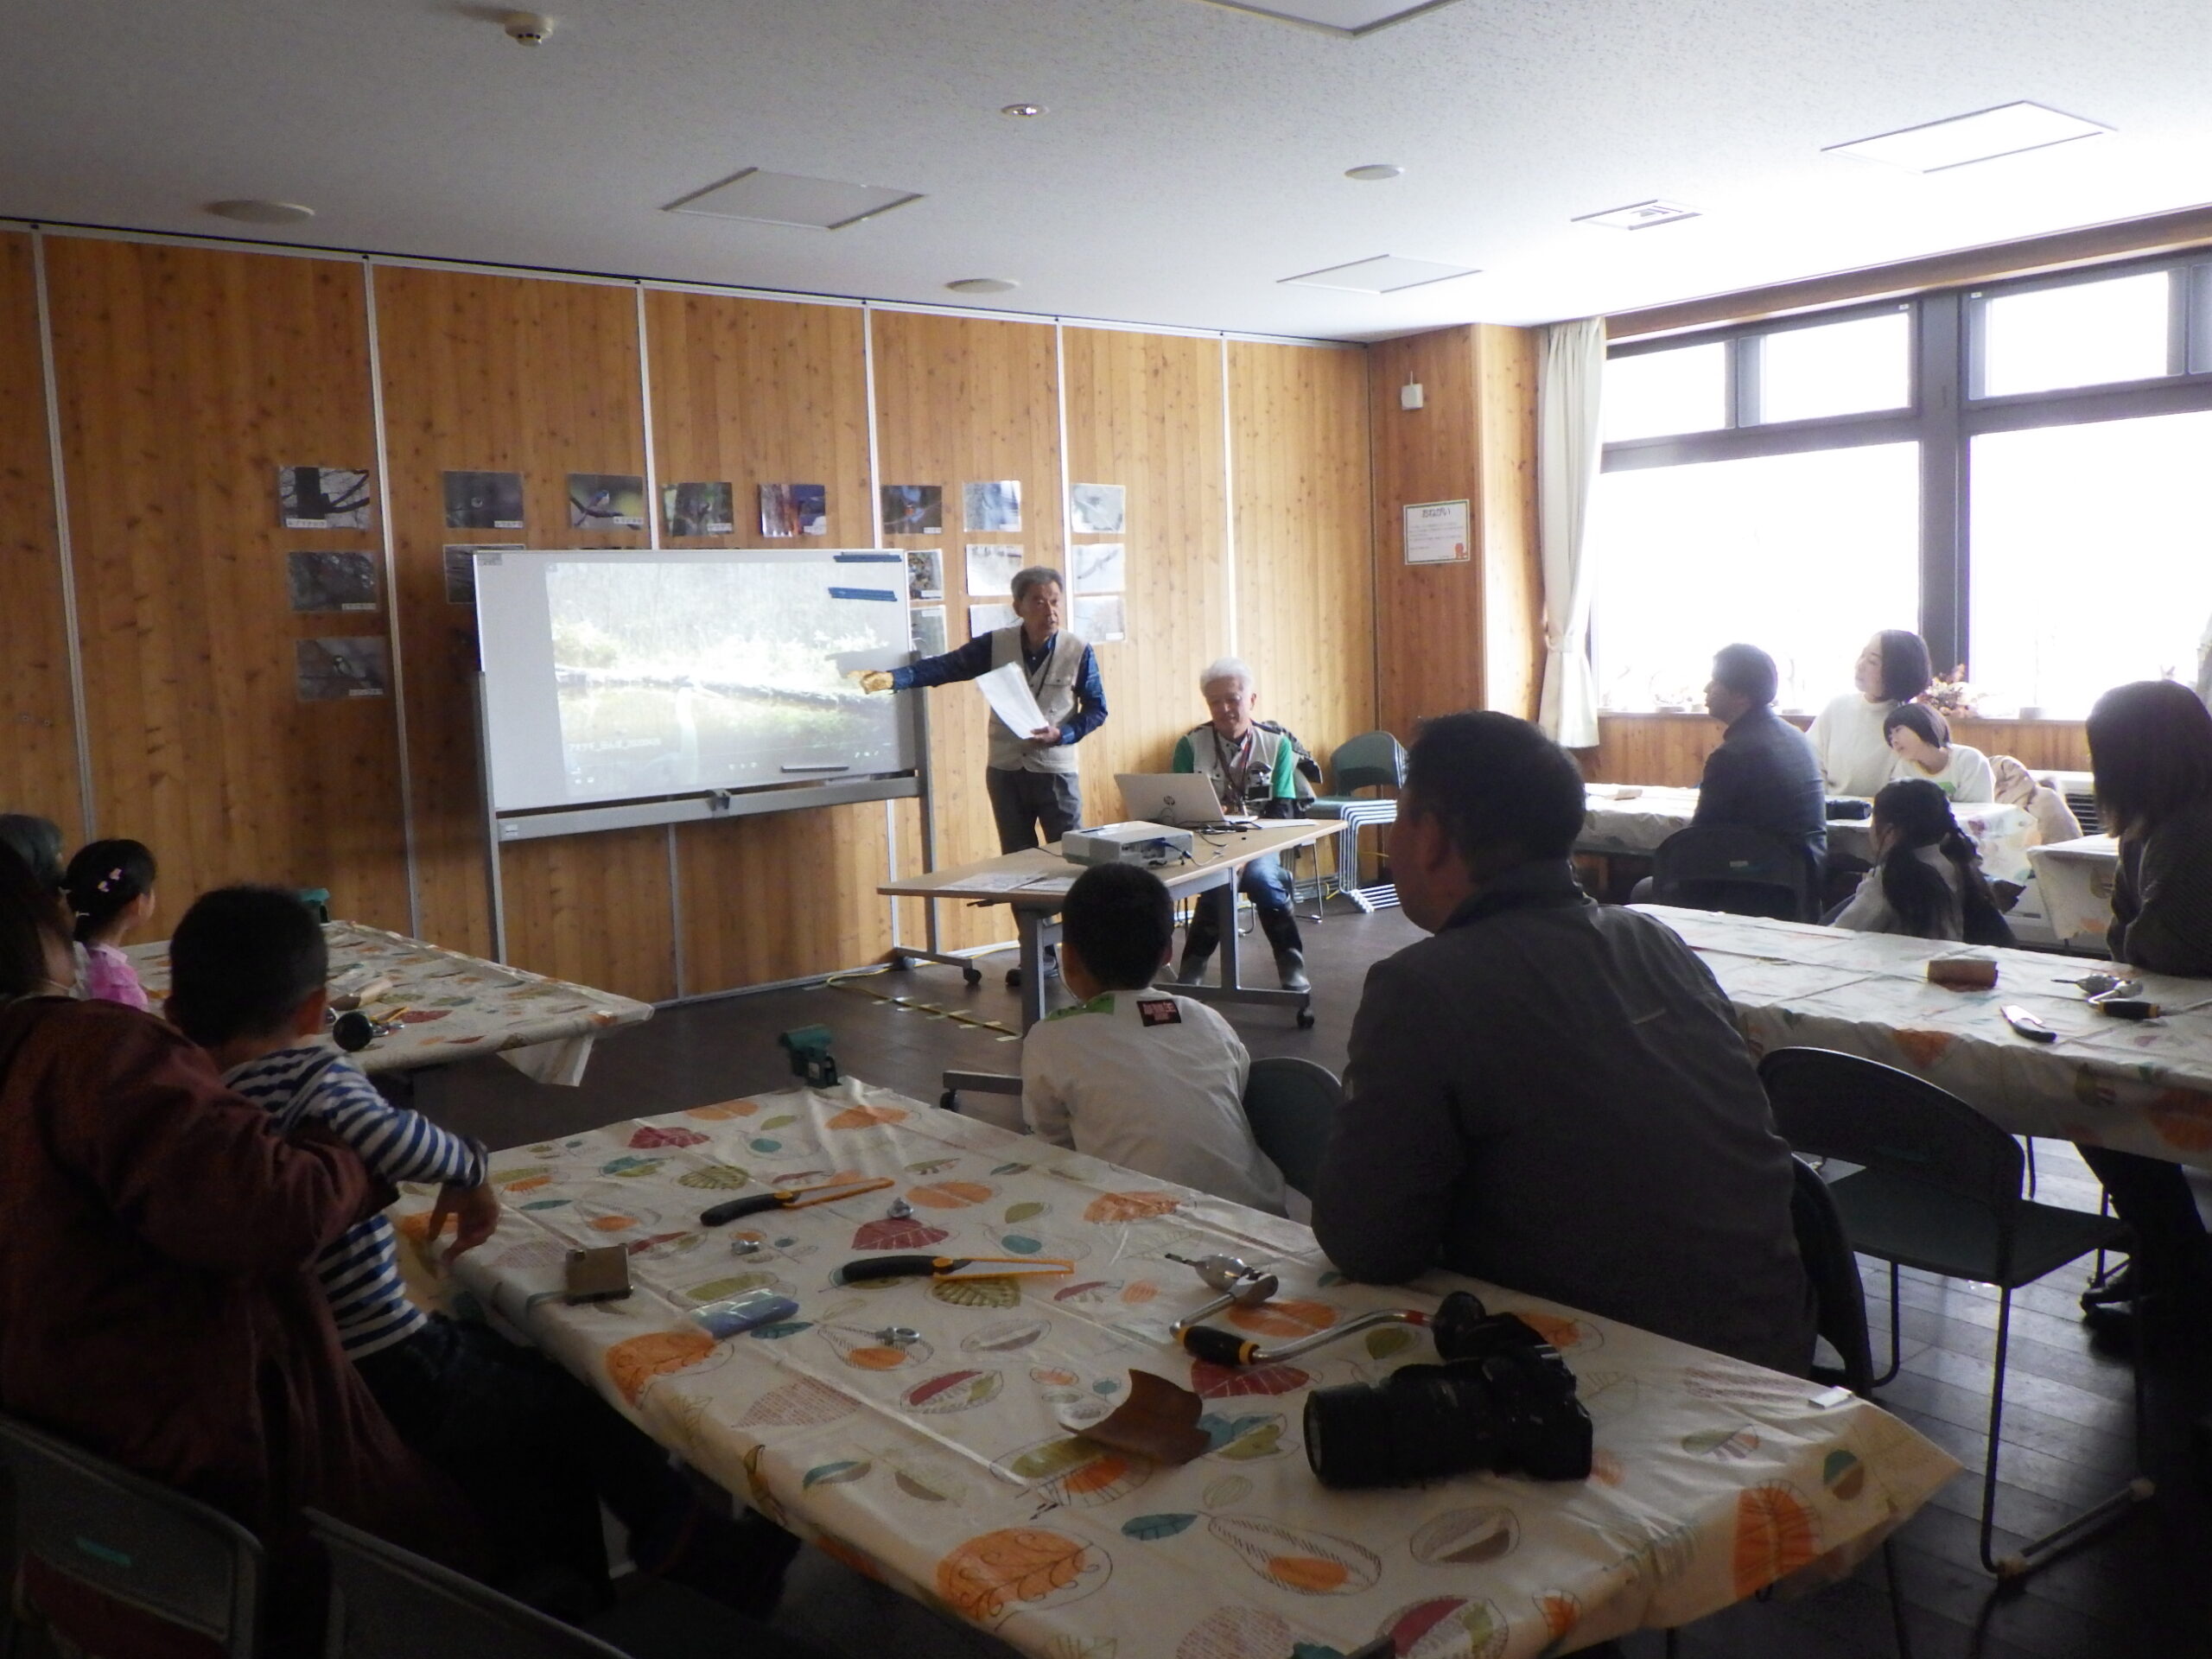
491 820
904 956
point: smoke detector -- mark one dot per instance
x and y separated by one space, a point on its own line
528 28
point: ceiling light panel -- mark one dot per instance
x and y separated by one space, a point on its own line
764 198
1986 134
1350 18
1639 215
1385 274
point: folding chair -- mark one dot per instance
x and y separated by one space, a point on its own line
1291 1104
1733 868
116 1563
1371 761
1938 1188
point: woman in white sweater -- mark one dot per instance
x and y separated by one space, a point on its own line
1846 735
1920 740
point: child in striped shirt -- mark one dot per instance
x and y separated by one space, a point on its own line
534 1449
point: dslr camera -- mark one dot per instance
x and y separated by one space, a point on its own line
1502 1400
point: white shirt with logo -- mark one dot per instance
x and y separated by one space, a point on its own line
1152 1082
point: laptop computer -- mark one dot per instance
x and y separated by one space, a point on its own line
1184 799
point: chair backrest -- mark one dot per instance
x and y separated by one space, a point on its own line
1834 1105
1839 1298
1734 867
1291 1104
1371 761
389 1603
135 1545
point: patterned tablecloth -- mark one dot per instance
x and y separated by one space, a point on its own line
949 1468
1646 815
452 1007
2077 878
2141 1087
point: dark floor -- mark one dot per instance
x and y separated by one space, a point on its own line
2144 1588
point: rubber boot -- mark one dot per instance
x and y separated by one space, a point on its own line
1281 929
1200 940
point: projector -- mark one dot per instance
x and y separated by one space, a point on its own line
1151 845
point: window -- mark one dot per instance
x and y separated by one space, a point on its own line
1803 555
2011 469
2092 558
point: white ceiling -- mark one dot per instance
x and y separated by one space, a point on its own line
1193 157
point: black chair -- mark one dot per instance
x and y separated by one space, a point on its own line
389 1603
1938 1188
1291 1104
1733 868
139 1560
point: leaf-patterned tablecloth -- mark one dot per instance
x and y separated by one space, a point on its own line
950 1467
1646 816
453 1005
2143 1087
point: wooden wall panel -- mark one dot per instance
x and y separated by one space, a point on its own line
1145 411
752 392
1304 561
541 377
968 400
1671 748
1457 636
38 756
186 377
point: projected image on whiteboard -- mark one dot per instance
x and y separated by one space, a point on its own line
621 676
678 676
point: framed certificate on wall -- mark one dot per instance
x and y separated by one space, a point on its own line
1436 532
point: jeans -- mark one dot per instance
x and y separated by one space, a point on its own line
1266 884
1020 800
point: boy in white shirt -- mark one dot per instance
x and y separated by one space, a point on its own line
1135 1074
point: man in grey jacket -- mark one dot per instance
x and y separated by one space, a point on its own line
1548 1093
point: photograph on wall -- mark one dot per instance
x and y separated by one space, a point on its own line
606 501
1097 509
322 498
928 630
331 669
1099 567
460 568
1101 618
913 508
698 508
991 567
925 573
323 580
993 507
483 500
794 510
989 619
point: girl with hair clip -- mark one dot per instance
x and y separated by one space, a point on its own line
1927 879
111 887
1921 739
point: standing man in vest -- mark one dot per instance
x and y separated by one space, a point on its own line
1255 772
1030 777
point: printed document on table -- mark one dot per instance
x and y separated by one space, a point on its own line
1010 698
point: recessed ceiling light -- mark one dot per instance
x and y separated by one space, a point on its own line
1639 215
1385 274
261 212
1373 173
1986 134
767 198
1023 110
1350 18
983 285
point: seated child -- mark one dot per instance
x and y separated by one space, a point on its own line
111 887
1927 879
532 1448
1140 1077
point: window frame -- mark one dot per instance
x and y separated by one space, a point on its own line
1944 413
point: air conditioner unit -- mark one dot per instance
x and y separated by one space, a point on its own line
2080 790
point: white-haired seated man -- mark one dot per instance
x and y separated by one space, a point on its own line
1254 770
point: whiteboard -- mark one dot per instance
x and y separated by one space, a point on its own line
614 677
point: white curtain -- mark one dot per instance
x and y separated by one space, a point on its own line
1570 364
